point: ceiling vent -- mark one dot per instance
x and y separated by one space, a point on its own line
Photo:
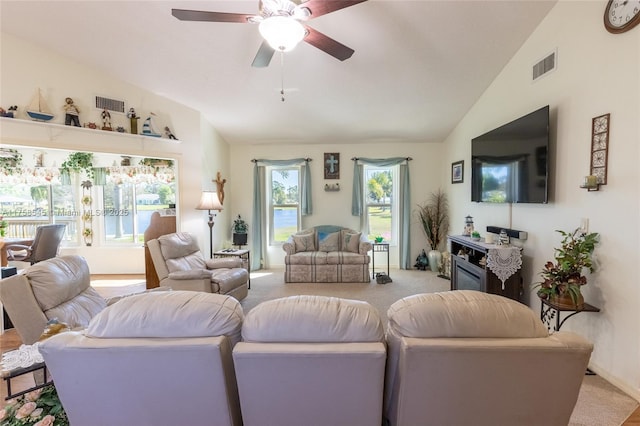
112 105
545 66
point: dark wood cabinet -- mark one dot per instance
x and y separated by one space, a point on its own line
469 270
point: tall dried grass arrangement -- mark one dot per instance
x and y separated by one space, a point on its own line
434 217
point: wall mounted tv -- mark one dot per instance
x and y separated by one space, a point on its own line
510 164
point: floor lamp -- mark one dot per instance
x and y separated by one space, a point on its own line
209 201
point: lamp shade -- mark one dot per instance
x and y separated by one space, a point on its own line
282 33
209 201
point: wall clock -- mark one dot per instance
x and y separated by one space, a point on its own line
600 147
621 15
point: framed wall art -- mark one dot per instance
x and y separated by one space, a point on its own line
457 172
332 165
600 147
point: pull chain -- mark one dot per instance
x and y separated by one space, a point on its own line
282 75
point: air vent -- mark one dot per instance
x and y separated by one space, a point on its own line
112 105
544 66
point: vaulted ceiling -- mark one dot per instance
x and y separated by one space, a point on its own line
418 66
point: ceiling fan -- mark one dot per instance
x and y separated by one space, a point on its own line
282 25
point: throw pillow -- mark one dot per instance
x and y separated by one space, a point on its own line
329 241
305 242
350 241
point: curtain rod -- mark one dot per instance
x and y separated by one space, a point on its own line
356 159
306 159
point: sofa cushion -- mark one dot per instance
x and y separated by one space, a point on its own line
170 314
346 258
328 241
318 319
463 313
350 241
305 242
307 258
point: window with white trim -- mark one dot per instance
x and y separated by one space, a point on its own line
380 188
284 202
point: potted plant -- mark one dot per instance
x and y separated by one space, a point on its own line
9 160
77 162
563 278
240 228
434 217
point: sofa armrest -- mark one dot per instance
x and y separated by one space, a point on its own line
192 274
227 262
289 246
365 245
23 309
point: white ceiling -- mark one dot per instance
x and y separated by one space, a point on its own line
417 69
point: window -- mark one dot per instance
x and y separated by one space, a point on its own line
25 207
380 202
284 202
128 206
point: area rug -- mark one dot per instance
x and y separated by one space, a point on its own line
599 403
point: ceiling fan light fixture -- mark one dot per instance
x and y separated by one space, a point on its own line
283 33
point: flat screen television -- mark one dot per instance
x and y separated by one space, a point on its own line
510 164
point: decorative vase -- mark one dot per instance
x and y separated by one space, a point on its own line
435 257
565 301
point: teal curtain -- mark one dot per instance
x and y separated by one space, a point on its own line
404 200
258 236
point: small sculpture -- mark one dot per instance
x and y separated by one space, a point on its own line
120 129
422 261
133 118
106 120
167 133
10 113
71 112
220 185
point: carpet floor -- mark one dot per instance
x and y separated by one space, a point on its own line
599 403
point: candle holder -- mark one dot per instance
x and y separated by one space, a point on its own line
591 183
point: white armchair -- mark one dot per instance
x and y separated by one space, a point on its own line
181 266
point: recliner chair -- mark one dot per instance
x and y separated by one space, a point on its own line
45 245
312 361
181 266
470 358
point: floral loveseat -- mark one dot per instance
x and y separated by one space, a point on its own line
327 254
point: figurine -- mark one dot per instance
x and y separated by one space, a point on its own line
167 133
120 129
71 113
133 118
106 120
10 112
422 261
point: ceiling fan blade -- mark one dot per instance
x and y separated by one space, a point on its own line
264 55
204 16
322 7
327 44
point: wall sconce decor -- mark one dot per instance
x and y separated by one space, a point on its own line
599 149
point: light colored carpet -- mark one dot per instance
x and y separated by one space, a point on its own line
599 402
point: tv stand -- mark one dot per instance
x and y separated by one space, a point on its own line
469 272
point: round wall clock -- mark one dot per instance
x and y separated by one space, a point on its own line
621 15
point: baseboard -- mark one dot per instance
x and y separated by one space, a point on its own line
633 393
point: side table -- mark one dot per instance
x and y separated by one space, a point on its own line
14 364
378 248
549 311
244 255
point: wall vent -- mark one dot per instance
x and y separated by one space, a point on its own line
112 105
545 65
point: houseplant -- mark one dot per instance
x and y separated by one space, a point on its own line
434 217
240 229
563 278
77 162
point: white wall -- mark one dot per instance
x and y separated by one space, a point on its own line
25 67
597 73
334 208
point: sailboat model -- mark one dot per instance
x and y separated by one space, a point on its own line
149 128
38 109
